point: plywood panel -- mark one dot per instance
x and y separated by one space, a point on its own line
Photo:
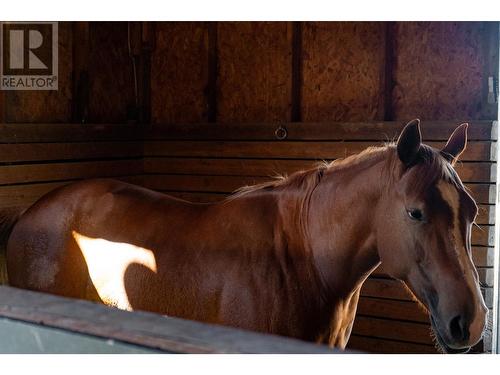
111 82
46 106
439 71
255 63
342 71
179 71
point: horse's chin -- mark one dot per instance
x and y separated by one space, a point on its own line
441 345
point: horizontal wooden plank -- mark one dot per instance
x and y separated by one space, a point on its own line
469 172
168 334
384 346
487 276
483 193
26 152
17 174
376 131
476 151
385 288
483 256
392 329
485 214
372 131
392 309
32 133
394 289
25 195
483 235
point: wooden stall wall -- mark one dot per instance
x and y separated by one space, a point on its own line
215 92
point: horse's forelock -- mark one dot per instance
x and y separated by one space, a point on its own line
430 168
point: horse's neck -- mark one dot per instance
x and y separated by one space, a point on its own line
340 224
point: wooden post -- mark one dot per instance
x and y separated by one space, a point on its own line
297 78
81 50
388 70
212 72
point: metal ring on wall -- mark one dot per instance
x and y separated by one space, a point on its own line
281 133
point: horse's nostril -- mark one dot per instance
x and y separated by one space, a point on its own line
459 329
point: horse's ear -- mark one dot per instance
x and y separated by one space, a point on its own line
409 142
456 144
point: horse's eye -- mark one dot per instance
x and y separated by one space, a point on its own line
415 214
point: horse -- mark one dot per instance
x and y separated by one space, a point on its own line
287 257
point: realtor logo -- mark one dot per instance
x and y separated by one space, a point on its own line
28 55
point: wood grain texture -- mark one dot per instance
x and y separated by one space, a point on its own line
255 71
43 133
376 131
439 70
68 151
168 334
342 75
25 195
111 82
46 106
2 106
392 329
476 151
390 309
179 71
29 173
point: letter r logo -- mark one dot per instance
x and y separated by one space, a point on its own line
29 50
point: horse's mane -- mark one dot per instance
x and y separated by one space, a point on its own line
430 166
306 180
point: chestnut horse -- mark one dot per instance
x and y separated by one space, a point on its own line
287 257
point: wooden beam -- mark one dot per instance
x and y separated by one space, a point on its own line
81 55
389 65
213 72
167 334
376 131
476 151
297 76
38 133
148 45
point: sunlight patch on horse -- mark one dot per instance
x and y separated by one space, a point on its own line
107 262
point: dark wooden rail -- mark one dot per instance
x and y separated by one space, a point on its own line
40 323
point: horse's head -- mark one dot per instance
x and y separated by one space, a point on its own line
424 236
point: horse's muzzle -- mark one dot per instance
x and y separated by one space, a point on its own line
442 345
